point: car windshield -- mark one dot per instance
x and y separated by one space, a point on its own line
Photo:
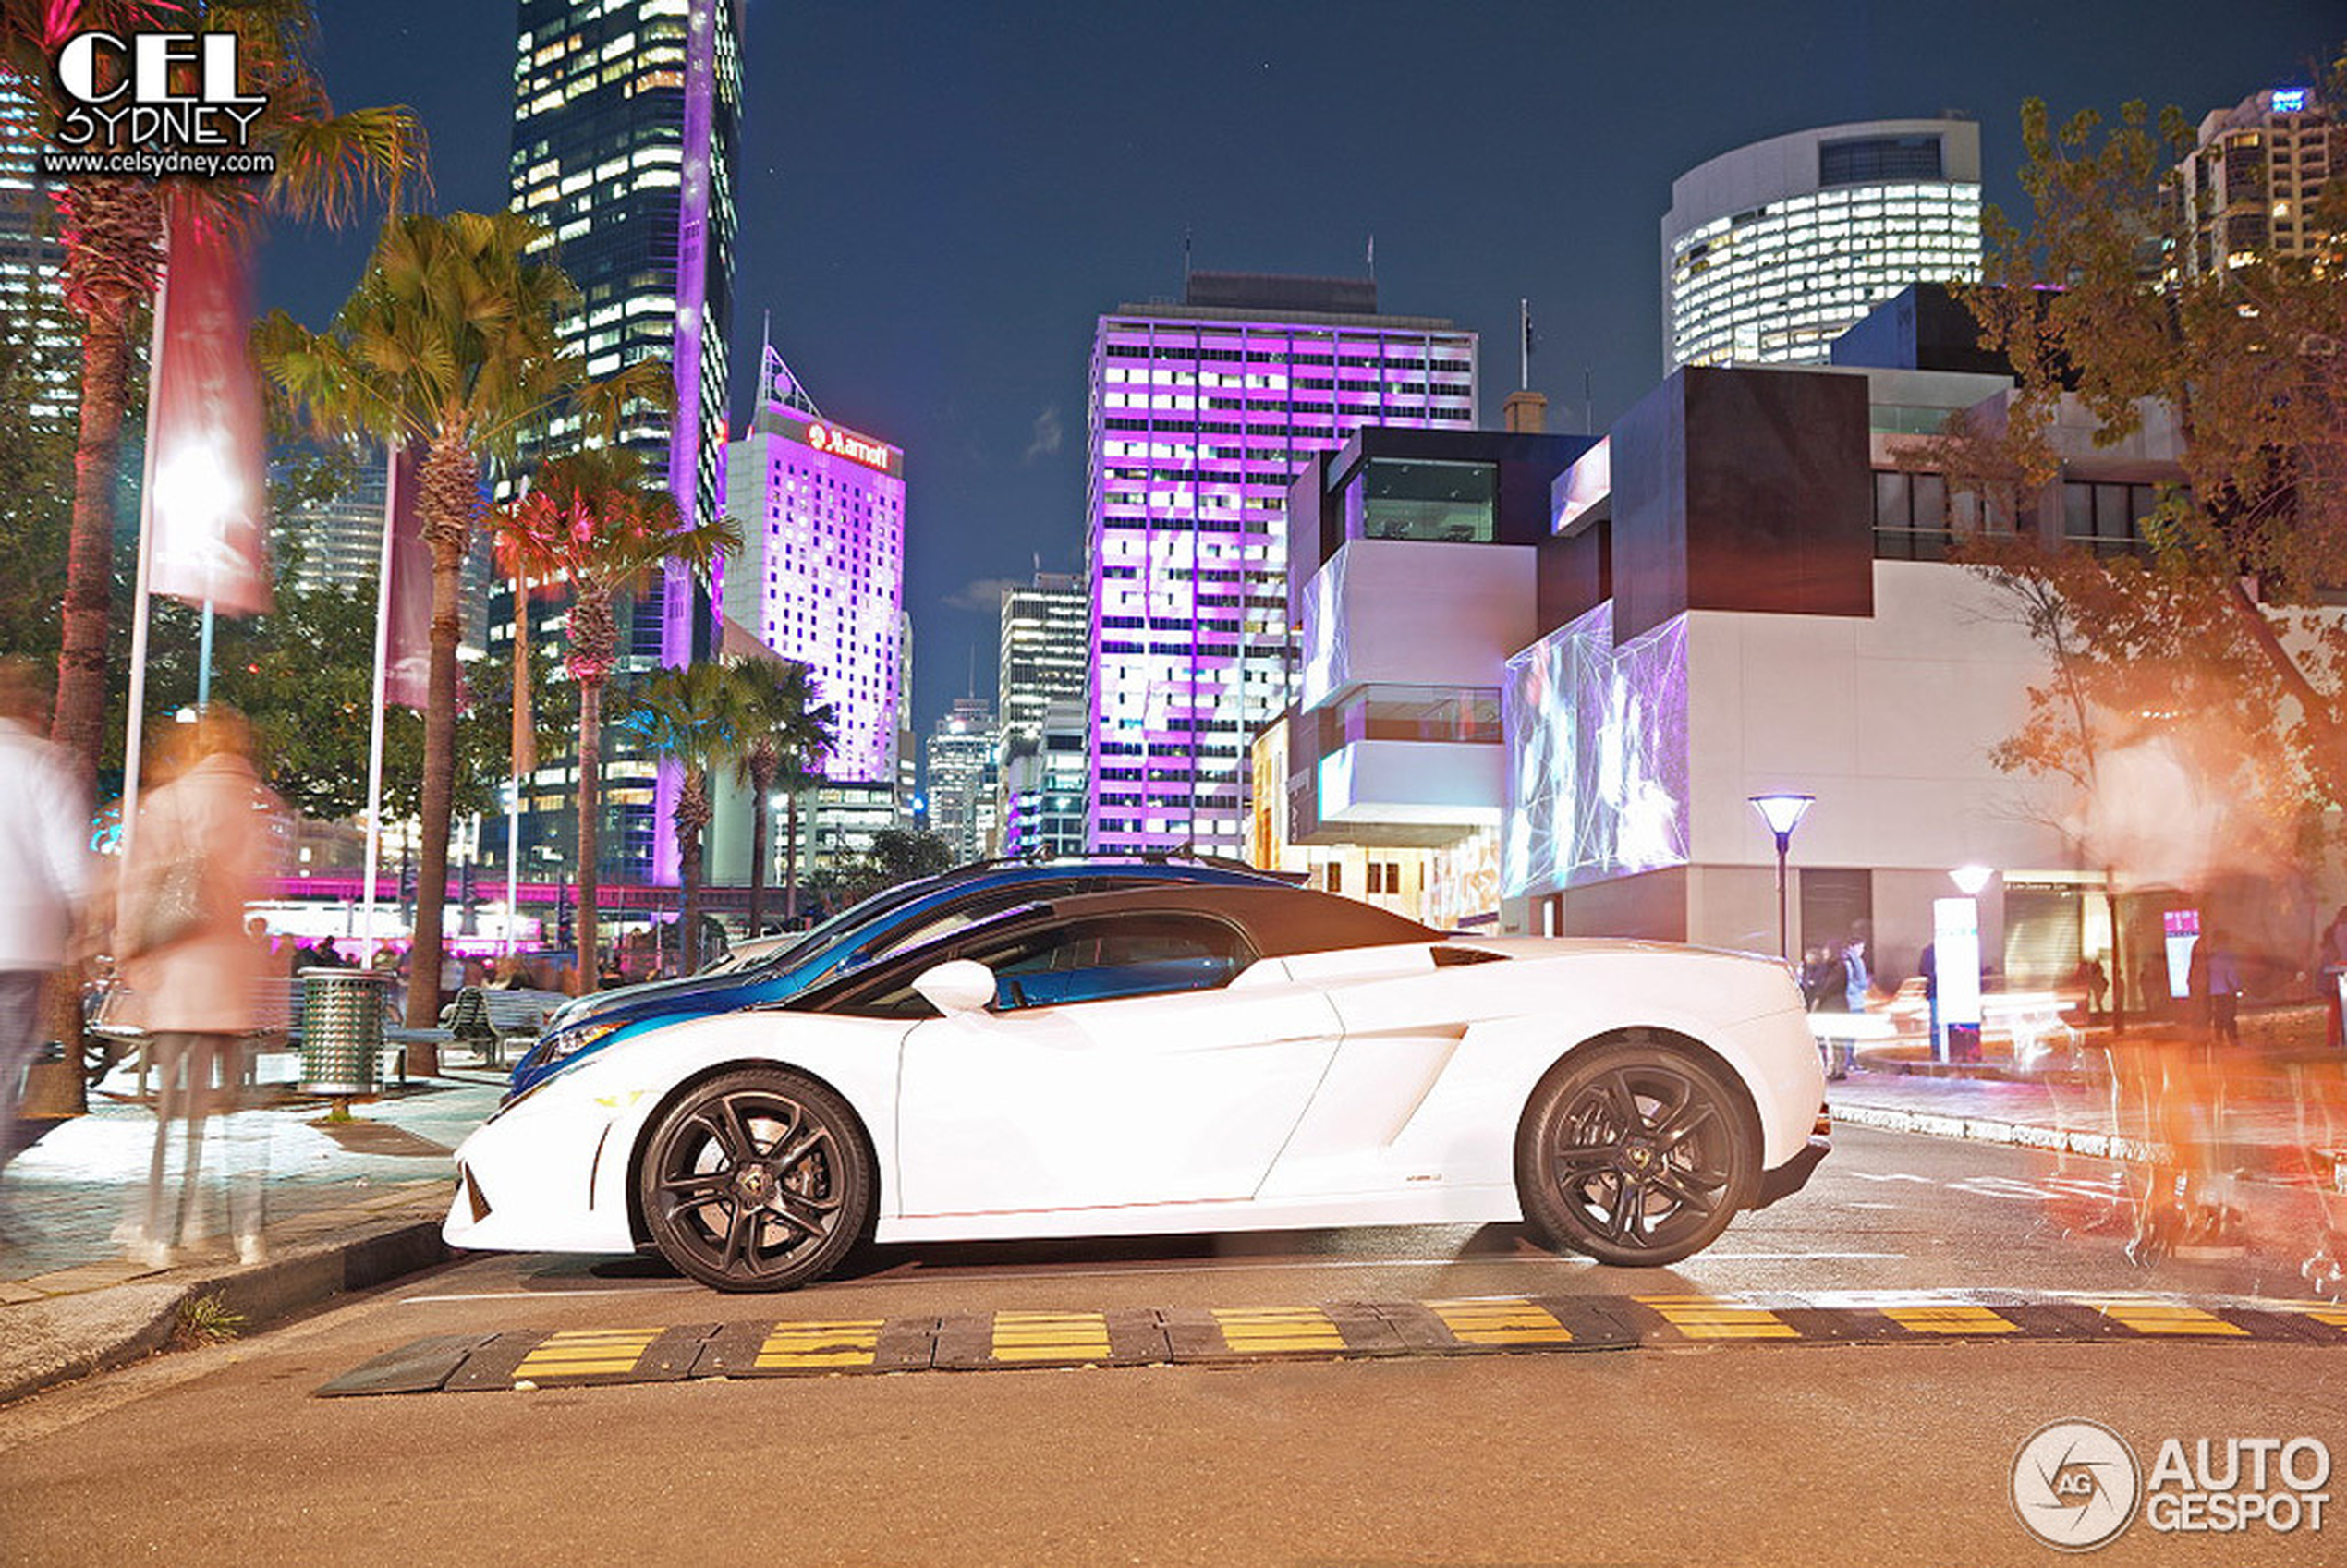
845 924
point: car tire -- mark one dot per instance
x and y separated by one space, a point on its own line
1636 1154
756 1180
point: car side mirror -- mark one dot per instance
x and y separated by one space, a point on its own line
959 985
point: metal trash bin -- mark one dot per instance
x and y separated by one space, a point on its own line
342 1030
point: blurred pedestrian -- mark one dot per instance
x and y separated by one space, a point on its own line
44 872
326 955
198 853
2224 997
2331 960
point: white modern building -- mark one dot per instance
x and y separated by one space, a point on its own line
1772 251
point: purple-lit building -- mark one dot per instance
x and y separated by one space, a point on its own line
1201 413
820 577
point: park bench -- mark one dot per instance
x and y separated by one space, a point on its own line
487 1017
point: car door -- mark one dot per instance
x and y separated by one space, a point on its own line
1132 1059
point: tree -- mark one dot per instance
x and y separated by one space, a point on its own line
327 165
36 477
786 734
449 341
2208 643
593 521
898 855
693 716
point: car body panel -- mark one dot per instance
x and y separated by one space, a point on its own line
1365 1085
891 923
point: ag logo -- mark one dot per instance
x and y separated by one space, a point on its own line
2075 1484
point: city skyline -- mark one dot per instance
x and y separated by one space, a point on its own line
941 287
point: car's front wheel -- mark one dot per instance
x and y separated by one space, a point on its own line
1637 1155
756 1180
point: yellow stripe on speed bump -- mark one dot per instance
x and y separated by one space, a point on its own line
2163 1317
791 1346
1500 1321
578 1352
1051 1336
1950 1320
1708 1317
1256 1330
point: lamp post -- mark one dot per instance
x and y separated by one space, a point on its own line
1782 813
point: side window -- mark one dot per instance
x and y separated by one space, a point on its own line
968 911
1134 955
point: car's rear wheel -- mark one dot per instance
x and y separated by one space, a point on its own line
756 1180
1636 1154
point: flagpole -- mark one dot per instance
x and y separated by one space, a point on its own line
134 739
375 701
513 785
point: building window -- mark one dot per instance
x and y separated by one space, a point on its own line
1911 516
1451 502
2106 517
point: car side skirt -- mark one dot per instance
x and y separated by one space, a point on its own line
1436 1205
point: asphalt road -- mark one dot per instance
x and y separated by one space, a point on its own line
1734 1453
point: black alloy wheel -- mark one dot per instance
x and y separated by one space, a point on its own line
1637 1155
759 1180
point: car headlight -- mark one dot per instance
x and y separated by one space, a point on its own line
563 1044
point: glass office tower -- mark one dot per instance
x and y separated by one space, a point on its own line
1771 251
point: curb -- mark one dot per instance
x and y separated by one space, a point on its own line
1980 1129
69 1337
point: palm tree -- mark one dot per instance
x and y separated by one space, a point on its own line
448 343
786 734
593 522
111 228
694 716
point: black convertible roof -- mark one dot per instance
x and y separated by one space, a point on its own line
1278 920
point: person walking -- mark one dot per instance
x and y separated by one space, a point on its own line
44 872
200 851
2224 997
2330 962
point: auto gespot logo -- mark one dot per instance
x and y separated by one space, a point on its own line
2078 1485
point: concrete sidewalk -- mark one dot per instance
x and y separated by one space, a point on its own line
2274 1124
345 1205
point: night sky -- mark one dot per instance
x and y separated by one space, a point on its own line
938 198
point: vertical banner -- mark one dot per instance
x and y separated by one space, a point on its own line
407 597
525 738
209 509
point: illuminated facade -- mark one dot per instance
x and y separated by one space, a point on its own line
2244 191
1041 656
32 259
961 768
1201 415
625 134
1771 251
1042 809
820 577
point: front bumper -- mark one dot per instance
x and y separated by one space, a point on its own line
1793 1174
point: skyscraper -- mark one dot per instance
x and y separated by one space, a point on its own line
961 778
1040 659
820 577
2242 192
625 131
1202 413
33 260
1772 251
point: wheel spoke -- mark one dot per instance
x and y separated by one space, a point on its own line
741 1227
1619 1089
816 1137
1579 1158
810 1215
1685 1121
1629 1203
1674 1183
738 1116
697 1186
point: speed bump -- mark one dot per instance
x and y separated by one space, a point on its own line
1233 1336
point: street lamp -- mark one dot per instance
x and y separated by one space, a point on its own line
1782 813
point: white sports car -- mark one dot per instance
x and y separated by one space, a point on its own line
1175 1059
